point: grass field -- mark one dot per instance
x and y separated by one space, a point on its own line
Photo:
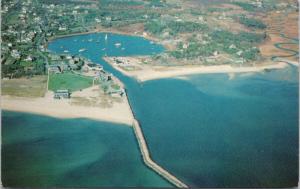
70 81
23 87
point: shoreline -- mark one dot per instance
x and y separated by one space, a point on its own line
112 31
160 72
119 113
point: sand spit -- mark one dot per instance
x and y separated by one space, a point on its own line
147 72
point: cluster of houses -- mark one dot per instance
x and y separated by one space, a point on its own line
19 38
64 63
61 63
106 80
257 3
64 15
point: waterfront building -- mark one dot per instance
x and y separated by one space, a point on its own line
62 94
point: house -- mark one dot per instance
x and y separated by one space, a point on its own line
116 92
62 28
15 54
216 53
53 68
64 93
55 57
29 58
239 53
240 61
185 46
105 77
97 20
58 67
73 66
92 67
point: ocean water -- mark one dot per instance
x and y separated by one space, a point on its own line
214 132
40 151
208 130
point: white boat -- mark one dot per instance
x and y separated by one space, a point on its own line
104 49
117 45
90 40
151 42
66 51
106 37
122 48
81 50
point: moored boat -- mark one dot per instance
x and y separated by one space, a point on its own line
82 50
118 45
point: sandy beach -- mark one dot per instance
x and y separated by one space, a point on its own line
120 112
146 72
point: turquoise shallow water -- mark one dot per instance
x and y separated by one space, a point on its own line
40 151
207 130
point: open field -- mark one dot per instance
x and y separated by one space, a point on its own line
279 23
268 49
33 87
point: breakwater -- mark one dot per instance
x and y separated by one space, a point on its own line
146 154
149 162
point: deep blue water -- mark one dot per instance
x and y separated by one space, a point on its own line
208 130
215 132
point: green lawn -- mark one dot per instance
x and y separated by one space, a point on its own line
70 81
